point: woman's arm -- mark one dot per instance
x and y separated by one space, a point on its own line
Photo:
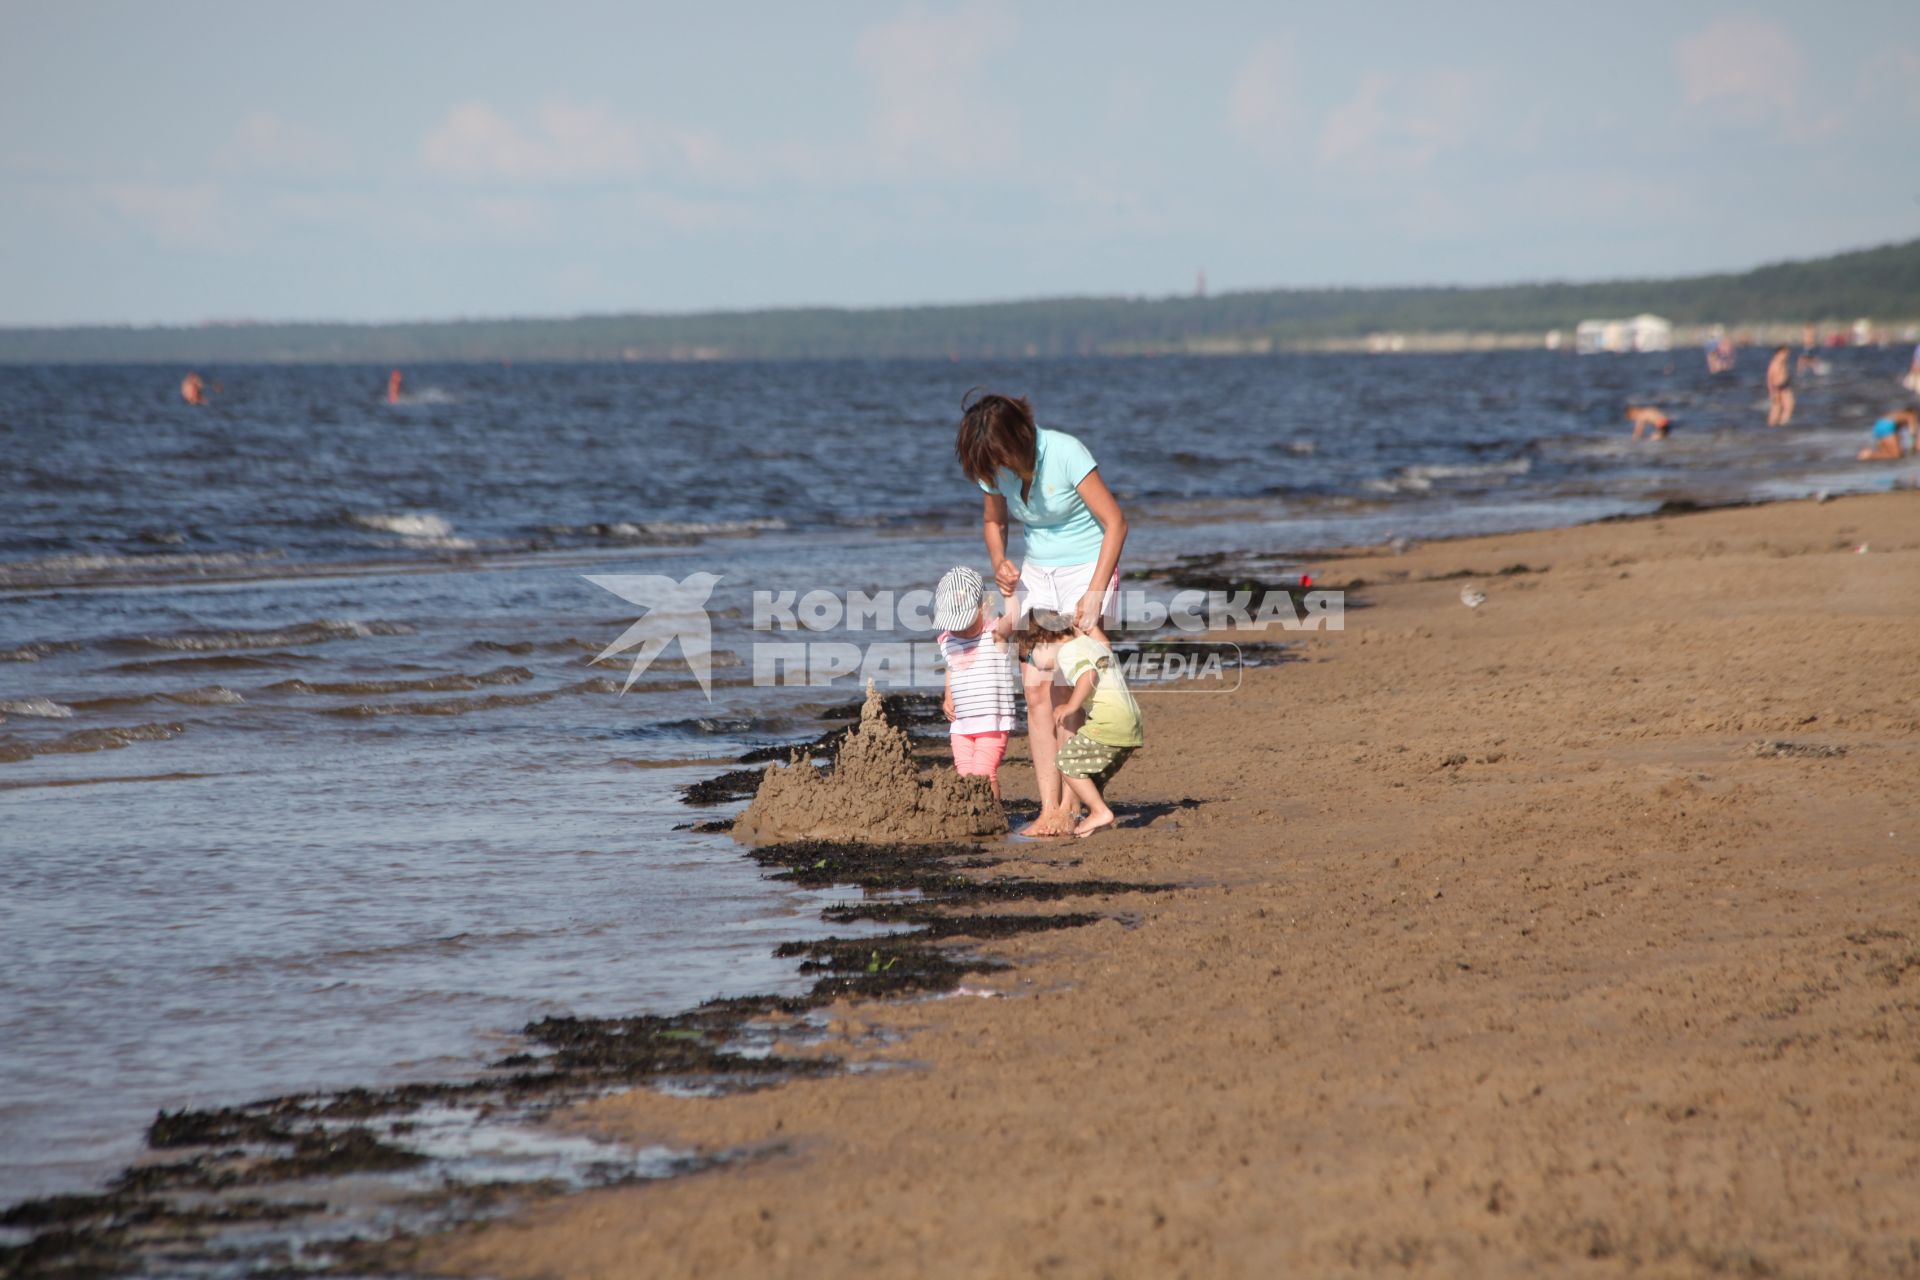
993 524
1113 528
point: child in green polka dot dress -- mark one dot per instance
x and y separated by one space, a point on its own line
1111 728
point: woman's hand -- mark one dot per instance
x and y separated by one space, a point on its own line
1086 614
1006 575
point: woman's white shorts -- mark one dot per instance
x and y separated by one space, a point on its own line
1059 587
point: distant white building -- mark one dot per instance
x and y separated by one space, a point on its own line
1641 333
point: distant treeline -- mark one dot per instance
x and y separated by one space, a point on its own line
1879 283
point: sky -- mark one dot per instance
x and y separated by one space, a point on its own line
187 160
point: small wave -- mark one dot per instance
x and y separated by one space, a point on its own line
1460 470
438 707
65 569
14 750
34 650
727 726
518 648
663 530
212 695
1421 478
217 662
431 684
1187 459
28 785
651 685
717 659
41 708
408 524
419 528
270 638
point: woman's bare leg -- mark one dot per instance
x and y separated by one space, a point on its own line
1043 740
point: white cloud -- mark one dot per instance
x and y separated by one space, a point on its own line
264 142
1750 71
1262 105
183 215
935 107
1398 124
563 142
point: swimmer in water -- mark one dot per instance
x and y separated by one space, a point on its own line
394 383
1648 421
1780 387
1886 437
193 389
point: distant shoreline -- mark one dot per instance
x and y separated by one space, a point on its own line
1874 288
1896 336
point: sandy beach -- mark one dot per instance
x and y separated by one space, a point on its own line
1578 931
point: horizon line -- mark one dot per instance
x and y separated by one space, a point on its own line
801 308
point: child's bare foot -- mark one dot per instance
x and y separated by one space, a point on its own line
1094 822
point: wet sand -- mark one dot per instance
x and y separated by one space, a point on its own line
1579 932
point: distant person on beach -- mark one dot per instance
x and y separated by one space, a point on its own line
1099 704
1074 532
1913 373
394 384
1720 355
1886 437
1780 387
193 389
981 675
1648 421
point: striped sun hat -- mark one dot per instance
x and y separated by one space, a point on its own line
956 601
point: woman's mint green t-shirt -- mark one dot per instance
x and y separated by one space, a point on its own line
1060 529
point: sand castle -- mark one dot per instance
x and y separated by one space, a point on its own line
872 792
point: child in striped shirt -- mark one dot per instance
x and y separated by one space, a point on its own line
982 674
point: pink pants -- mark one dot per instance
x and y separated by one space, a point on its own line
978 755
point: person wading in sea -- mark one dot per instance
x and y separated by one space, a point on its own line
1780 387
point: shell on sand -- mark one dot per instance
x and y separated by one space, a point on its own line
873 792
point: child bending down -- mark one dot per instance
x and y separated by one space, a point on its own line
1111 727
981 675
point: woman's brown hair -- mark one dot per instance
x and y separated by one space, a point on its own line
997 431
